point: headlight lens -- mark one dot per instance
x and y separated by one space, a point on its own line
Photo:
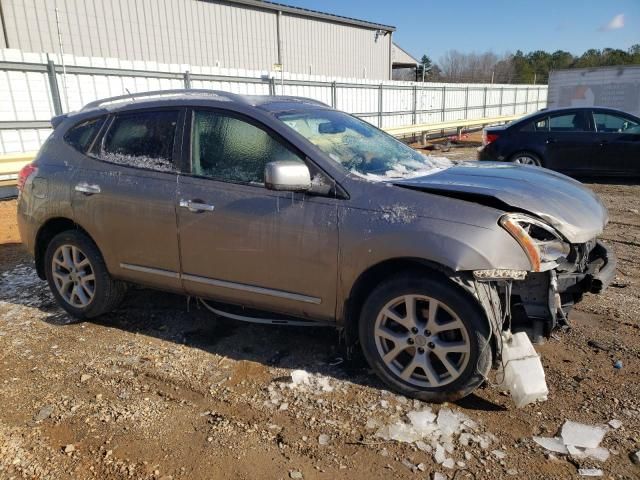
540 242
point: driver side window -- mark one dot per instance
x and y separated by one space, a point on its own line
610 123
230 149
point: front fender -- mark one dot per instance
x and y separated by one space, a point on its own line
370 237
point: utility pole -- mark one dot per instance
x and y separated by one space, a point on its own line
61 50
492 73
535 76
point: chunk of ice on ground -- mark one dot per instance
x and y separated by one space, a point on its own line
590 472
615 424
499 454
422 421
439 455
323 383
439 476
552 444
581 435
449 463
448 422
399 431
300 377
600 454
372 423
423 446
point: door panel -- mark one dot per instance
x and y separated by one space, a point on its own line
269 250
570 143
124 195
133 221
619 139
242 243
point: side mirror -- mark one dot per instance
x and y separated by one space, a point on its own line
289 176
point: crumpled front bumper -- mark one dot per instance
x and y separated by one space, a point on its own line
600 272
543 300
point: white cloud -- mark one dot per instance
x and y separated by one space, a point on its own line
616 23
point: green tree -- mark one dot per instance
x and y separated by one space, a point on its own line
634 54
561 59
425 67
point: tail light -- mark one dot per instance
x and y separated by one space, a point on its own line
24 175
489 137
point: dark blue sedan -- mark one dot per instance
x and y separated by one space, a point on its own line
576 141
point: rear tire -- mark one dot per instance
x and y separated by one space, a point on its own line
78 277
425 338
527 158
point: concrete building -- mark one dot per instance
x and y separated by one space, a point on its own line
248 34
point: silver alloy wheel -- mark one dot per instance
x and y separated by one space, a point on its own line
422 341
73 276
526 160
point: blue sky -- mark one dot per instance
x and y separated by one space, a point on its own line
433 27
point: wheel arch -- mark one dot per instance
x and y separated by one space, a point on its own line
486 298
47 232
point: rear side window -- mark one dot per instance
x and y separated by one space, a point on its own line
570 122
143 140
81 135
539 125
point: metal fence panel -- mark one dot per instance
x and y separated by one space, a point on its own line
35 87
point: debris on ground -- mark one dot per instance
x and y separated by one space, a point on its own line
590 472
581 435
577 440
44 413
523 374
437 434
615 424
306 381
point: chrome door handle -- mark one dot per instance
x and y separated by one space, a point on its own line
196 206
87 189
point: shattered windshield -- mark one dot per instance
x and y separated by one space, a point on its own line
361 148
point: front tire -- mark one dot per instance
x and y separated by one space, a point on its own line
78 277
425 338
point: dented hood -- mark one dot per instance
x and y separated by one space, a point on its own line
574 210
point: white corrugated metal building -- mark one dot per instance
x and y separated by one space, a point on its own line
246 34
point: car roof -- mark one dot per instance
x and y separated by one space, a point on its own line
201 97
190 97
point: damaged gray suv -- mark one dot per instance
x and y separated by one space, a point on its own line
283 210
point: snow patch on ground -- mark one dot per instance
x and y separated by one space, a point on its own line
21 285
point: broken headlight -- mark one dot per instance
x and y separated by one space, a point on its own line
542 244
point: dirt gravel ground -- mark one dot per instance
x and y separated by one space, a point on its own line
163 389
